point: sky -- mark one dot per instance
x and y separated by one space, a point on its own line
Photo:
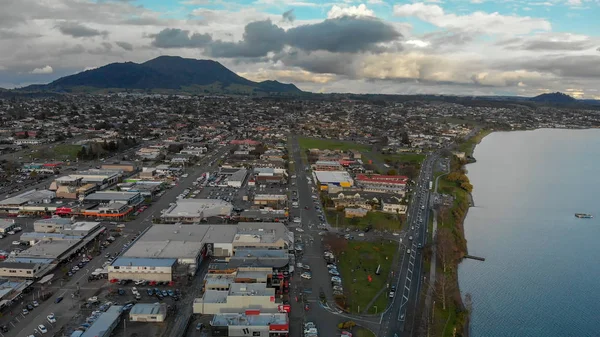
452 47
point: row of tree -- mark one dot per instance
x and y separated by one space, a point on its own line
95 150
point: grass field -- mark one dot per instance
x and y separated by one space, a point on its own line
415 158
327 144
57 152
469 146
358 261
378 220
362 332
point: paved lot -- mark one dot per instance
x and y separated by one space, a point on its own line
66 310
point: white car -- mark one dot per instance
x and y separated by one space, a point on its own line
16 243
42 328
134 291
299 230
35 304
138 282
307 276
51 318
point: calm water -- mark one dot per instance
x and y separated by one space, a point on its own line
541 276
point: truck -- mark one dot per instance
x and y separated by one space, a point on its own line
430 185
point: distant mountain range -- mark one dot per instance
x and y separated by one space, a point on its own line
163 74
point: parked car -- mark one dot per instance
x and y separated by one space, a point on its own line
306 275
51 318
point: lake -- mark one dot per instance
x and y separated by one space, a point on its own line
541 276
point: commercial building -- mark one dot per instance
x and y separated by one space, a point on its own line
237 178
239 297
7 225
101 178
124 167
109 197
337 178
382 183
65 226
267 215
327 165
270 199
104 325
10 290
250 323
22 270
19 202
127 268
189 244
148 312
196 210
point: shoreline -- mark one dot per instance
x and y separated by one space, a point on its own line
478 138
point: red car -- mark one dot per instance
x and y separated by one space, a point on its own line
306 307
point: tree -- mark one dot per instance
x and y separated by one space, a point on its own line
392 172
442 285
336 244
444 243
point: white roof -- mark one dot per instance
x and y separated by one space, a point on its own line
204 208
333 176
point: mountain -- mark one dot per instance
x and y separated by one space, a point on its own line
555 97
164 74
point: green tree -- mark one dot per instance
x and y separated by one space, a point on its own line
392 172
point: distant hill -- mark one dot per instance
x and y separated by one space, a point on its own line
555 97
163 74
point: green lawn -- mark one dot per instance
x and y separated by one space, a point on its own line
328 144
362 332
414 158
58 152
378 220
469 145
356 263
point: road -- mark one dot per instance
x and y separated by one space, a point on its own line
399 319
65 311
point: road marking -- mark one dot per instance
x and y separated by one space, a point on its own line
407 288
408 279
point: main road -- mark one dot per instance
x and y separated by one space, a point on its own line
400 317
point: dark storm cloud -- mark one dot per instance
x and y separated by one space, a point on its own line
345 34
288 16
76 29
178 38
125 45
260 37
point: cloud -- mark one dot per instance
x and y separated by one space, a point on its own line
125 45
42 70
179 38
580 66
477 22
76 29
288 16
549 42
418 43
344 34
340 11
287 75
574 2
260 38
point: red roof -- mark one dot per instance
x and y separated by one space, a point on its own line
379 178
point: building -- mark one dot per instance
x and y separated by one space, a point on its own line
65 226
355 212
7 225
237 178
337 178
18 269
393 205
382 183
18 202
327 165
196 210
102 178
266 215
250 323
148 312
109 197
127 268
194 151
270 199
239 297
124 167
104 325
10 291
148 173
354 199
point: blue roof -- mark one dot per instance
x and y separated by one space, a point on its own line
30 260
143 262
104 325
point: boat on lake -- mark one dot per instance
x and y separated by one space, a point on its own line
583 216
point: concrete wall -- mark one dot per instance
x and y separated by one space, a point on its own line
160 274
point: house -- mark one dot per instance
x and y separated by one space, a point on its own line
393 205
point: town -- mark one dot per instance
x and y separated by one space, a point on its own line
132 214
